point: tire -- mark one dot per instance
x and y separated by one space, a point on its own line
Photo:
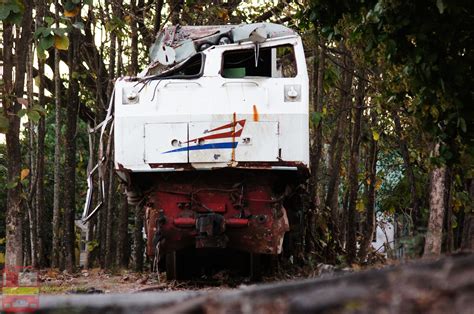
171 266
255 267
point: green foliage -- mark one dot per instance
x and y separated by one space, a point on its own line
11 11
48 36
33 113
427 46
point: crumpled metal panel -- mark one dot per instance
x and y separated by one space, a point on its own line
188 40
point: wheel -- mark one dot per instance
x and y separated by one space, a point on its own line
255 267
171 269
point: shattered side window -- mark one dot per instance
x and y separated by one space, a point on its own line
241 63
191 68
285 61
274 62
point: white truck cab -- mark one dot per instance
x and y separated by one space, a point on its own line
235 104
229 100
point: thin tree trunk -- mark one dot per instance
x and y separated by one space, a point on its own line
56 246
337 147
122 231
31 218
369 223
138 239
70 153
90 225
40 199
434 235
14 232
318 133
134 41
448 210
354 172
176 6
318 140
414 211
467 241
110 239
158 9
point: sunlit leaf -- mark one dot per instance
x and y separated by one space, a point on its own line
24 173
440 5
61 42
378 183
375 135
49 20
73 12
22 112
462 124
33 115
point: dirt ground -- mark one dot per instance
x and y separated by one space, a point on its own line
93 281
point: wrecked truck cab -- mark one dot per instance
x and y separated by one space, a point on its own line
212 139
256 92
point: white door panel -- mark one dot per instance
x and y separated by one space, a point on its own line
214 141
259 142
166 143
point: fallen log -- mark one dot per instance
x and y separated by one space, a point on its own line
443 286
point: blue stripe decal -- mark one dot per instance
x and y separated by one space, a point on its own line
226 145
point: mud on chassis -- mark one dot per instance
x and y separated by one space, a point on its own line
212 138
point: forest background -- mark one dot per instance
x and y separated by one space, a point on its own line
391 122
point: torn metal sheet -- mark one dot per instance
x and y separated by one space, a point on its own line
175 44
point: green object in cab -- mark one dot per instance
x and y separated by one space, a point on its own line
234 72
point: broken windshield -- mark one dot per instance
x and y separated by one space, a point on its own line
191 68
271 62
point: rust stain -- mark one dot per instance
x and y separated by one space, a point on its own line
233 135
255 113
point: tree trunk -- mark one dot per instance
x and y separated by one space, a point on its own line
138 239
175 8
70 153
14 233
318 109
134 41
158 9
57 221
434 235
40 199
448 210
414 211
467 241
110 238
122 231
336 150
31 199
369 223
354 172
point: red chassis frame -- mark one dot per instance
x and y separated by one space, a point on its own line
241 210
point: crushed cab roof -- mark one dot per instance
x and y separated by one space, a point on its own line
175 44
